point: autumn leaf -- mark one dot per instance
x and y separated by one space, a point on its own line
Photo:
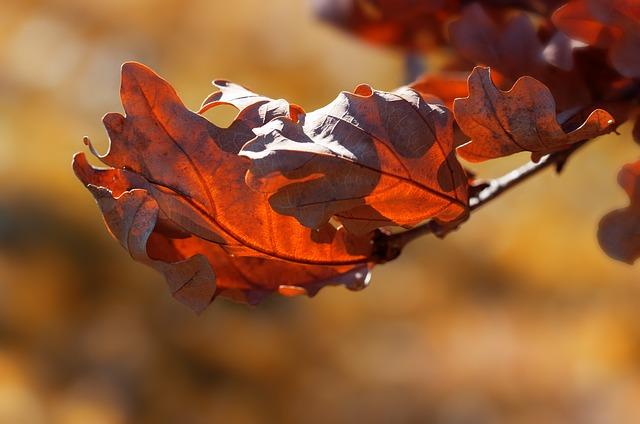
610 24
413 24
175 191
619 231
368 159
523 119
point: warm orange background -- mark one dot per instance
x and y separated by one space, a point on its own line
516 318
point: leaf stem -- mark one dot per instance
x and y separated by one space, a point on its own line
388 246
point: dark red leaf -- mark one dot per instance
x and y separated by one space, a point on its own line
176 194
611 24
619 231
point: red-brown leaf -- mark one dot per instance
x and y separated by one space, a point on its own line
611 24
523 119
185 175
368 159
619 231
414 24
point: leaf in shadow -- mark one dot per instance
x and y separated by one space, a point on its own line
368 159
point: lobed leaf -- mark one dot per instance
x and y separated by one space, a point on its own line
179 178
619 231
523 119
368 159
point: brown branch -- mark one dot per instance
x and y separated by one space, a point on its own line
389 246
499 185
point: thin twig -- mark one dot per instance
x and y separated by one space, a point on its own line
388 246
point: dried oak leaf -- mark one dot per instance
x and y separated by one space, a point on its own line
175 198
610 24
444 88
256 109
368 159
523 119
619 231
413 24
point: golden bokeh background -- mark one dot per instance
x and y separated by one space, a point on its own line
516 318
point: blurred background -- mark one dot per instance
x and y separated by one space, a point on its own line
517 318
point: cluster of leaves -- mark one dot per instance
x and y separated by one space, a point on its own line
288 201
